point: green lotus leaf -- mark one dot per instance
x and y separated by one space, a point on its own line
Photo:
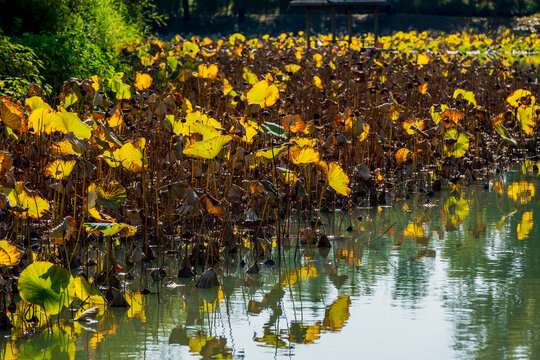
505 135
455 143
111 195
274 129
47 285
111 229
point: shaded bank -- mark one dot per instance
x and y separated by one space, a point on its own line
321 23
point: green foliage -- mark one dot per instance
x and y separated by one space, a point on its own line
19 67
80 39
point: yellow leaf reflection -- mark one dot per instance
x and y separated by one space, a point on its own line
456 210
525 226
304 273
304 334
337 314
521 192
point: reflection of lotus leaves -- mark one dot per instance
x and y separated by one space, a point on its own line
229 284
337 314
457 210
304 334
324 251
209 295
179 336
49 345
521 191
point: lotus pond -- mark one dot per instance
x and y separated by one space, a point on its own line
249 198
454 276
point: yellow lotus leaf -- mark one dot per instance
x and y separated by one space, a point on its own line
190 48
11 114
5 163
227 88
9 254
236 37
116 119
521 97
360 129
317 82
142 81
96 82
92 203
197 116
67 100
402 155
436 112
301 142
40 121
451 117
249 76
207 149
147 60
272 153
409 125
208 205
132 155
466 95
207 131
69 122
423 59
104 138
521 191
303 155
345 120
207 72
423 88
337 314
336 178
293 123
318 60
292 68
207 52
310 129
87 292
263 94
112 158
287 176
36 102
70 145
525 116
497 119
20 196
94 212
60 169
525 226
111 229
413 231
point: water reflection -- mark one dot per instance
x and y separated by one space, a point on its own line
456 276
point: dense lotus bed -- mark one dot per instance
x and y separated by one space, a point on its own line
211 147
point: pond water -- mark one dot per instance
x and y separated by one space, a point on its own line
456 276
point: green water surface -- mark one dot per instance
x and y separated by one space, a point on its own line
456 276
